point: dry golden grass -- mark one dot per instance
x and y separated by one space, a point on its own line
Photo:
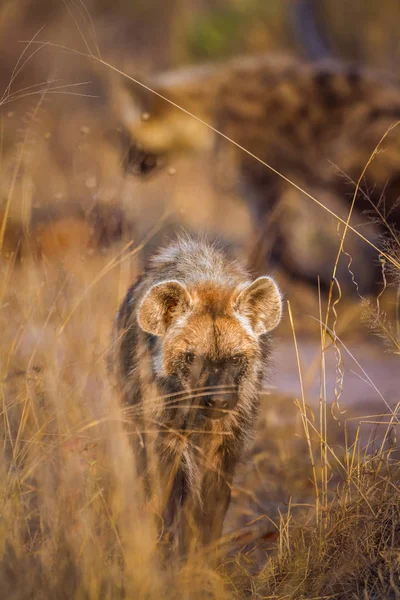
314 511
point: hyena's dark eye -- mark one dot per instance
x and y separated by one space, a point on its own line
190 358
237 359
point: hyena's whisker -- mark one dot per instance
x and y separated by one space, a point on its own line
191 391
139 410
185 396
200 406
182 432
194 390
207 392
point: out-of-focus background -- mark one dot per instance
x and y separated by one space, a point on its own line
63 144
155 36
76 227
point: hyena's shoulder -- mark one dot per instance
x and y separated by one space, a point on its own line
290 85
303 103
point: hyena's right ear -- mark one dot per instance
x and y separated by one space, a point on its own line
163 302
261 303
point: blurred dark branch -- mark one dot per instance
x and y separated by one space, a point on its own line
308 29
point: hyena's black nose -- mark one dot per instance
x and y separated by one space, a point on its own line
216 407
217 402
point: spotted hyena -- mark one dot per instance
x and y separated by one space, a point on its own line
191 348
315 122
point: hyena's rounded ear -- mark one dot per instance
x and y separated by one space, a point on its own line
261 303
163 302
129 101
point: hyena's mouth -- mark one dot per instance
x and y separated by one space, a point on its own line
206 407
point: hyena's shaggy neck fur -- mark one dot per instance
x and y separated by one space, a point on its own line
204 332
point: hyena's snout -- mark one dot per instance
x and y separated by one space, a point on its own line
220 394
216 406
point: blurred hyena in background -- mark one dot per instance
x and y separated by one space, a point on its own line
87 132
316 124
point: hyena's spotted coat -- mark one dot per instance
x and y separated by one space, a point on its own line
191 348
316 123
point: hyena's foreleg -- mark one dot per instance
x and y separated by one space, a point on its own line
201 520
216 496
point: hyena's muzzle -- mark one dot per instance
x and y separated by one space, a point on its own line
217 389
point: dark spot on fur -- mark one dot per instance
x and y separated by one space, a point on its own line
287 129
323 78
383 113
273 105
251 95
353 78
317 129
304 112
329 97
236 116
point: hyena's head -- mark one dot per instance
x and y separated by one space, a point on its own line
211 340
161 127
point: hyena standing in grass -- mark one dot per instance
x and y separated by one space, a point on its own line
191 347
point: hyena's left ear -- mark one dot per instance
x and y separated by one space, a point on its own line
163 302
261 303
